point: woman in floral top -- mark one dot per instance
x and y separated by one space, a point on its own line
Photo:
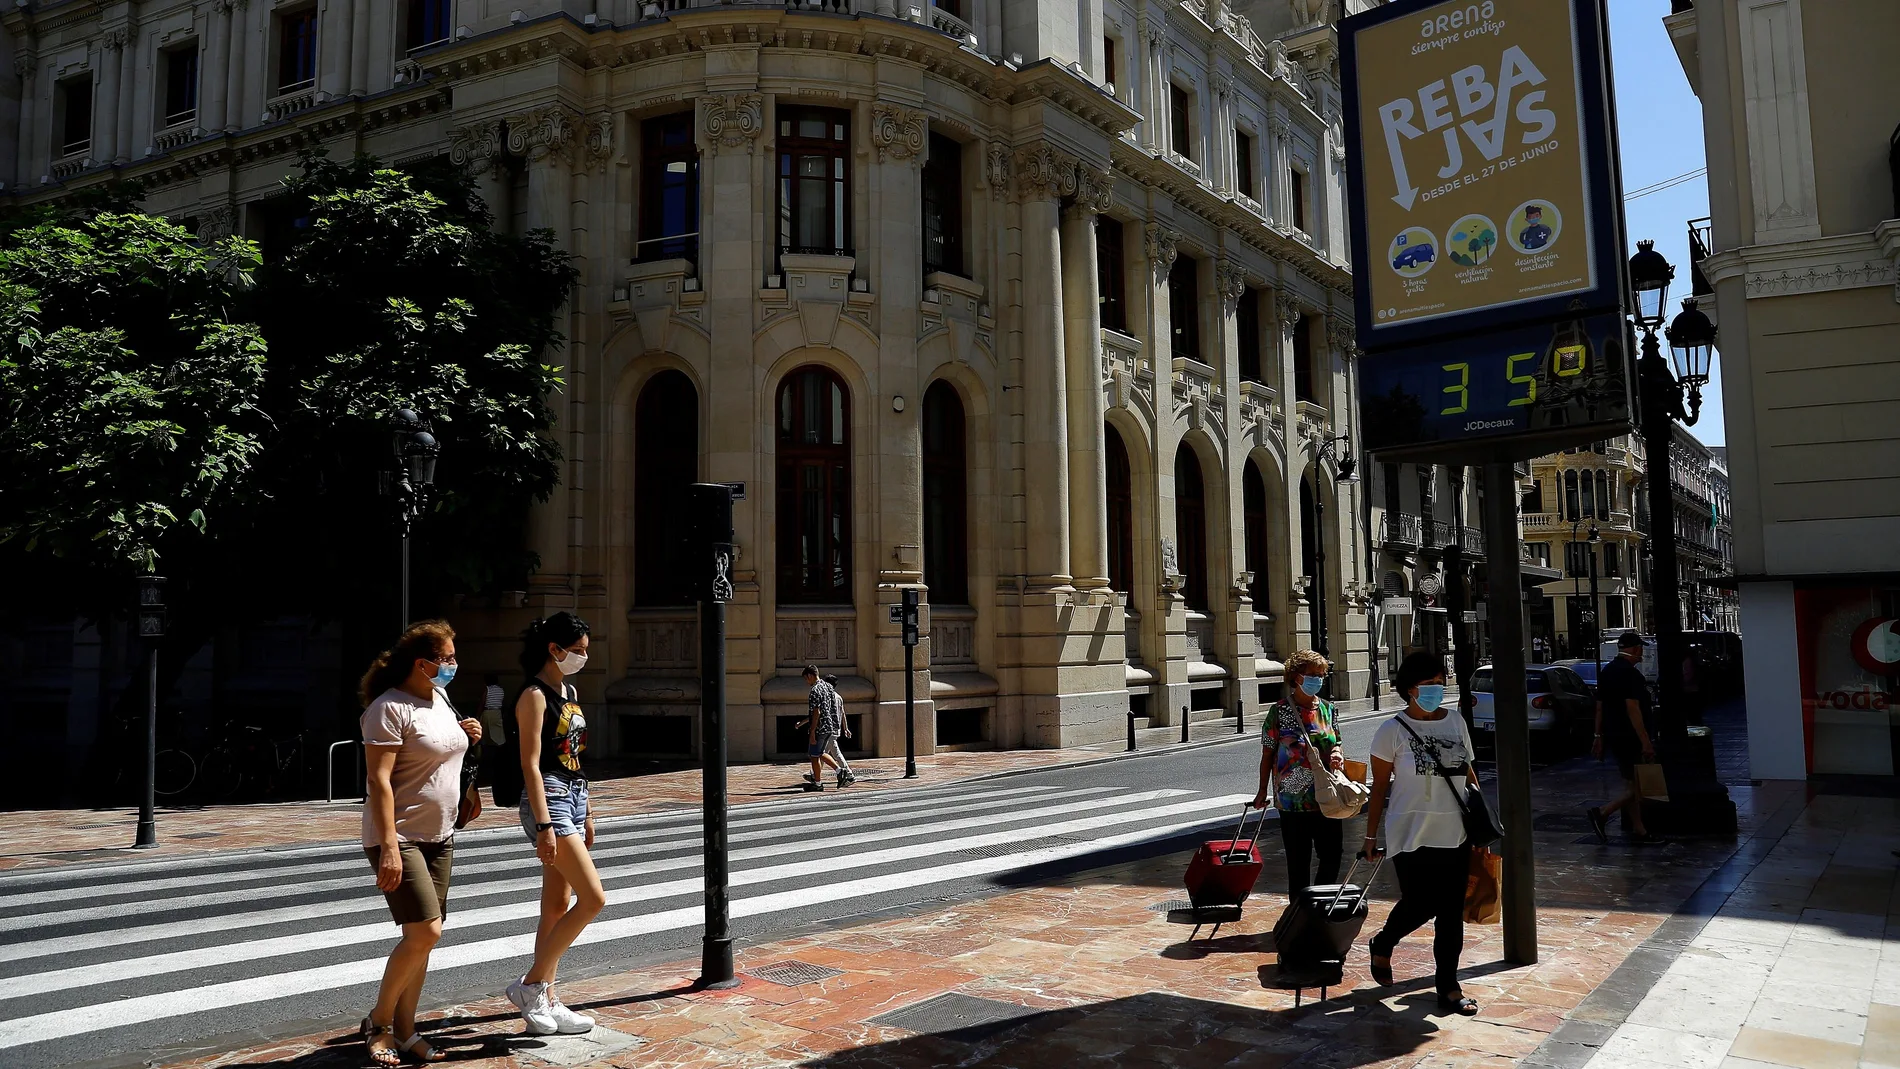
1285 731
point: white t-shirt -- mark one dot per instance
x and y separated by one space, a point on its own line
1422 810
427 780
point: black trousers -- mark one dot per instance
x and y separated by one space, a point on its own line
1431 888
1303 834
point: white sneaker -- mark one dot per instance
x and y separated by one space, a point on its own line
570 1023
532 1001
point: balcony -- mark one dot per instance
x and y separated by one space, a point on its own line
293 99
1472 540
1399 531
946 23
1700 242
1541 521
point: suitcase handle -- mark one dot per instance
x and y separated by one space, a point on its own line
1352 871
1235 850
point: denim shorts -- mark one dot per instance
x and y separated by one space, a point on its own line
567 806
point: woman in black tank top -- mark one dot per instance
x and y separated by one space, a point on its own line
550 727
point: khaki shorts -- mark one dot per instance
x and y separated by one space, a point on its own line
423 894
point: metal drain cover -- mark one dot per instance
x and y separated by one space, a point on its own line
1170 905
957 1016
794 973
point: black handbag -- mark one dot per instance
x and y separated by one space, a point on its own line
1481 823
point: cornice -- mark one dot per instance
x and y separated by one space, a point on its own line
1818 265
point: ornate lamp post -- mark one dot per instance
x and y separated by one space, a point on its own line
1697 799
410 480
1596 607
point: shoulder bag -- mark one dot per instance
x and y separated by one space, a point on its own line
1481 824
1338 796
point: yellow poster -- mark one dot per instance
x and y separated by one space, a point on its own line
1472 143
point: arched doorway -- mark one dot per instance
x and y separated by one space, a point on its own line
946 509
1190 526
1253 493
814 488
1121 514
665 463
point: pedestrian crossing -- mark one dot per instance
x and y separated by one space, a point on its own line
168 943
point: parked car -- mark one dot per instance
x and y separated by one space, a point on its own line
1586 671
1562 708
1648 666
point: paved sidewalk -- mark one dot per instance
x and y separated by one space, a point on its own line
1085 970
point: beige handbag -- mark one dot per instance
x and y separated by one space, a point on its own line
1339 796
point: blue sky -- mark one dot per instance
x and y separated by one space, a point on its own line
1660 129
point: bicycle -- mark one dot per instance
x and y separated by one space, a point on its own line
243 757
175 770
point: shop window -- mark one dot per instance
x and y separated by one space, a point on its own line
669 190
814 174
1110 282
814 488
665 464
296 50
181 84
946 508
943 206
1121 514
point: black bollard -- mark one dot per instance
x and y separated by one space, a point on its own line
1184 723
1240 718
1131 731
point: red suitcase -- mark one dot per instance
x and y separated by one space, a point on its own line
1224 870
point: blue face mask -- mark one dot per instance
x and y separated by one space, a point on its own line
443 674
1430 696
1313 684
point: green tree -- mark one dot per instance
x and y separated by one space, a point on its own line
128 418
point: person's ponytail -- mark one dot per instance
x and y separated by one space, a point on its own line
562 629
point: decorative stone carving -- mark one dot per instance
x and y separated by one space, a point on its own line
1230 281
1043 172
996 170
1223 84
1340 332
897 133
1290 310
215 224
541 133
1162 249
1170 560
1277 127
1306 12
476 146
115 38
600 139
1094 190
25 64
732 120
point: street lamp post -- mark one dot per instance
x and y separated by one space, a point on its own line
1697 799
1322 450
1596 606
410 480
151 629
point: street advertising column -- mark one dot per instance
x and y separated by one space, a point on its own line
1486 228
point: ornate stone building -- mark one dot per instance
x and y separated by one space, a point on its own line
1039 307
1598 488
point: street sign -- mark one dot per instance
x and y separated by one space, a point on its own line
1397 606
1486 222
1470 616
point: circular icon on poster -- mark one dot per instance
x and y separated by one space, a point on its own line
1471 240
1535 226
1413 251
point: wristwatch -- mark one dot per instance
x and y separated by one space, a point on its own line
539 828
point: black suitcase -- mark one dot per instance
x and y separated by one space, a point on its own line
1322 921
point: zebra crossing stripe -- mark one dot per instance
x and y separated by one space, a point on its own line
140 1009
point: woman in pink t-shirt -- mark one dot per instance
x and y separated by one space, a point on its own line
414 742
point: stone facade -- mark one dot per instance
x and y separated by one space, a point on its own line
1207 153
1598 487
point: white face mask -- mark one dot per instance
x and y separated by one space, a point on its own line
571 663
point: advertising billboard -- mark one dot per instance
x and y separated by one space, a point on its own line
1484 196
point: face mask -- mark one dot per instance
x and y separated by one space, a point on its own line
1430 696
572 663
443 674
1313 684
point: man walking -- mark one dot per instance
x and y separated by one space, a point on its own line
1622 722
825 723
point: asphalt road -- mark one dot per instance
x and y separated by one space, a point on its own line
130 963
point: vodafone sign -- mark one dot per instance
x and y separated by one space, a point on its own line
1876 646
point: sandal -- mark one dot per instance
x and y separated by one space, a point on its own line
371 1032
1381 974
1457 1004
428 1053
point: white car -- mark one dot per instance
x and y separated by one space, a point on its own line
1561 706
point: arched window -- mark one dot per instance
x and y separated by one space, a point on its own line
665 463
1190 525
814 488
1254 501
1589 498
1121 514
946 512
1571 512
1604 501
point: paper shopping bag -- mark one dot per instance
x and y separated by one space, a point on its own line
1650 782
1481 888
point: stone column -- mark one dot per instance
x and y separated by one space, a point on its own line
1281 210
1294 621
477 146
1154 83
27 66
230 65
105 125
359 48
217 56
128 94
1082 335
1043 177
545 136
335 35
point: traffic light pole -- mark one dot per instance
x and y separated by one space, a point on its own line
712 520
907 616
1511 702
